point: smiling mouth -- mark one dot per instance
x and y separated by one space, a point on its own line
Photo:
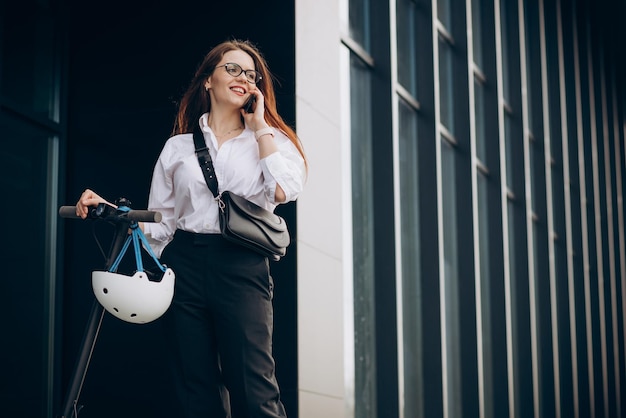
238 90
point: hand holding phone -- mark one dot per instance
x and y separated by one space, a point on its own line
247 106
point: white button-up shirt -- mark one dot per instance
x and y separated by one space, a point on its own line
180 193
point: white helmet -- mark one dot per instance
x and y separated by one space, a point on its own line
133 298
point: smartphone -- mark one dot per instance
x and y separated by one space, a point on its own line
247 106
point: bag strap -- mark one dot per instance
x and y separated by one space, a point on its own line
206 163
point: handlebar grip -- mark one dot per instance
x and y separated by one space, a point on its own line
133 215
144 216
68 212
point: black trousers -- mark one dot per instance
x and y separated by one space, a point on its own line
219 328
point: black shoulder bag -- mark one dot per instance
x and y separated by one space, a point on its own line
241 221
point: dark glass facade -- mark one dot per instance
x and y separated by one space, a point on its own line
507 146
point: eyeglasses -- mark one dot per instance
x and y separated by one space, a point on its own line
235 70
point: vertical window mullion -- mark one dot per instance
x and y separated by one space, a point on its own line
448 278
529 145
516 213
615 403
378 379
409 293
458 190
587 393
412 299
566 85
490 298
363 248
363 243
619 291
559 210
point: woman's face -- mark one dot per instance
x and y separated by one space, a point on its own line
226 90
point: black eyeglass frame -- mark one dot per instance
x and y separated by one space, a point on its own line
257 77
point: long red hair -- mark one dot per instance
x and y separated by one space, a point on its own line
196 102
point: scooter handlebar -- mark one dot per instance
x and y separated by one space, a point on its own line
132 215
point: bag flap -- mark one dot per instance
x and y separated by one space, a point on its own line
254 211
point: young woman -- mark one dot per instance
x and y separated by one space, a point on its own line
220 323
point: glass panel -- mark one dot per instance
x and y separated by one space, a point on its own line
541 323
28 77
451 281
411 283
483 228
477 33
23 177
360 22
529 95
535 157
531 47
479 112
363 245
444 13
505 51
485 300
514 305
534 241
407 49
446 83
508 146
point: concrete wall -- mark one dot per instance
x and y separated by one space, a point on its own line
322 230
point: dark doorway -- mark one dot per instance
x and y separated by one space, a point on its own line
129 62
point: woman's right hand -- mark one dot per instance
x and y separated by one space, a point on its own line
87 199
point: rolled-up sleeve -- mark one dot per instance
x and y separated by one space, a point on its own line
285 167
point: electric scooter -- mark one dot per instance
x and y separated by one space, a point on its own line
126 231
